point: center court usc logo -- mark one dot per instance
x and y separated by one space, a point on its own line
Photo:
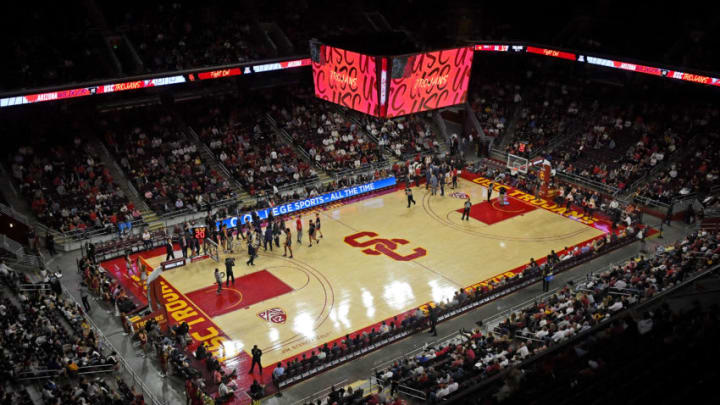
383 246
274 315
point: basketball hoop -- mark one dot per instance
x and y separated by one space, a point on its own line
517 164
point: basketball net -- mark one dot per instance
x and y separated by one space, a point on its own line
514 171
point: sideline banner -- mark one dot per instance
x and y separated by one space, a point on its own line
284 209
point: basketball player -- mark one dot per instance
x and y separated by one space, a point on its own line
224 237
317 224
230 241
229 263
268 237
205 243
298 227
218 280
311 233
277 231
454 178
219 240
251 250
257 242
442 179
428 175
288 242
489 191
241 231
466 210
501 196
408 193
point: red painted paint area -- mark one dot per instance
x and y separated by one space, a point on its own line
598 220
492 212
246 290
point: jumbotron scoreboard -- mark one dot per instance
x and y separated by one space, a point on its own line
391 86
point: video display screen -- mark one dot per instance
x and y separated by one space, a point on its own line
346 78
429 80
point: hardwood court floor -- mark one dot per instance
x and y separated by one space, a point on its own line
405 258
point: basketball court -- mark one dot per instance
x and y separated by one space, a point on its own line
377 259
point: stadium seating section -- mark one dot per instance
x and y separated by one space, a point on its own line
445 371
614 138
63 177
240 137
164 165
325 132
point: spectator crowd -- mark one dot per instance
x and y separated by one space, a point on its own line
46 338
166 168
404 136
439 371
253 153
69 187
325 132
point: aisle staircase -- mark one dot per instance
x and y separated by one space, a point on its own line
509 133
152 220
12 195
385 151
209 158
284 137
118 175
21 211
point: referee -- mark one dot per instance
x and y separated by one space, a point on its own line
466 210
408 193
229 263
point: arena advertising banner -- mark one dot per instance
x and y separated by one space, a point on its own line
32 98
300 205
382 86
429 81
89 91
346 78
550 52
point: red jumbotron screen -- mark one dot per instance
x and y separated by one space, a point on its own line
346 78
429 80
